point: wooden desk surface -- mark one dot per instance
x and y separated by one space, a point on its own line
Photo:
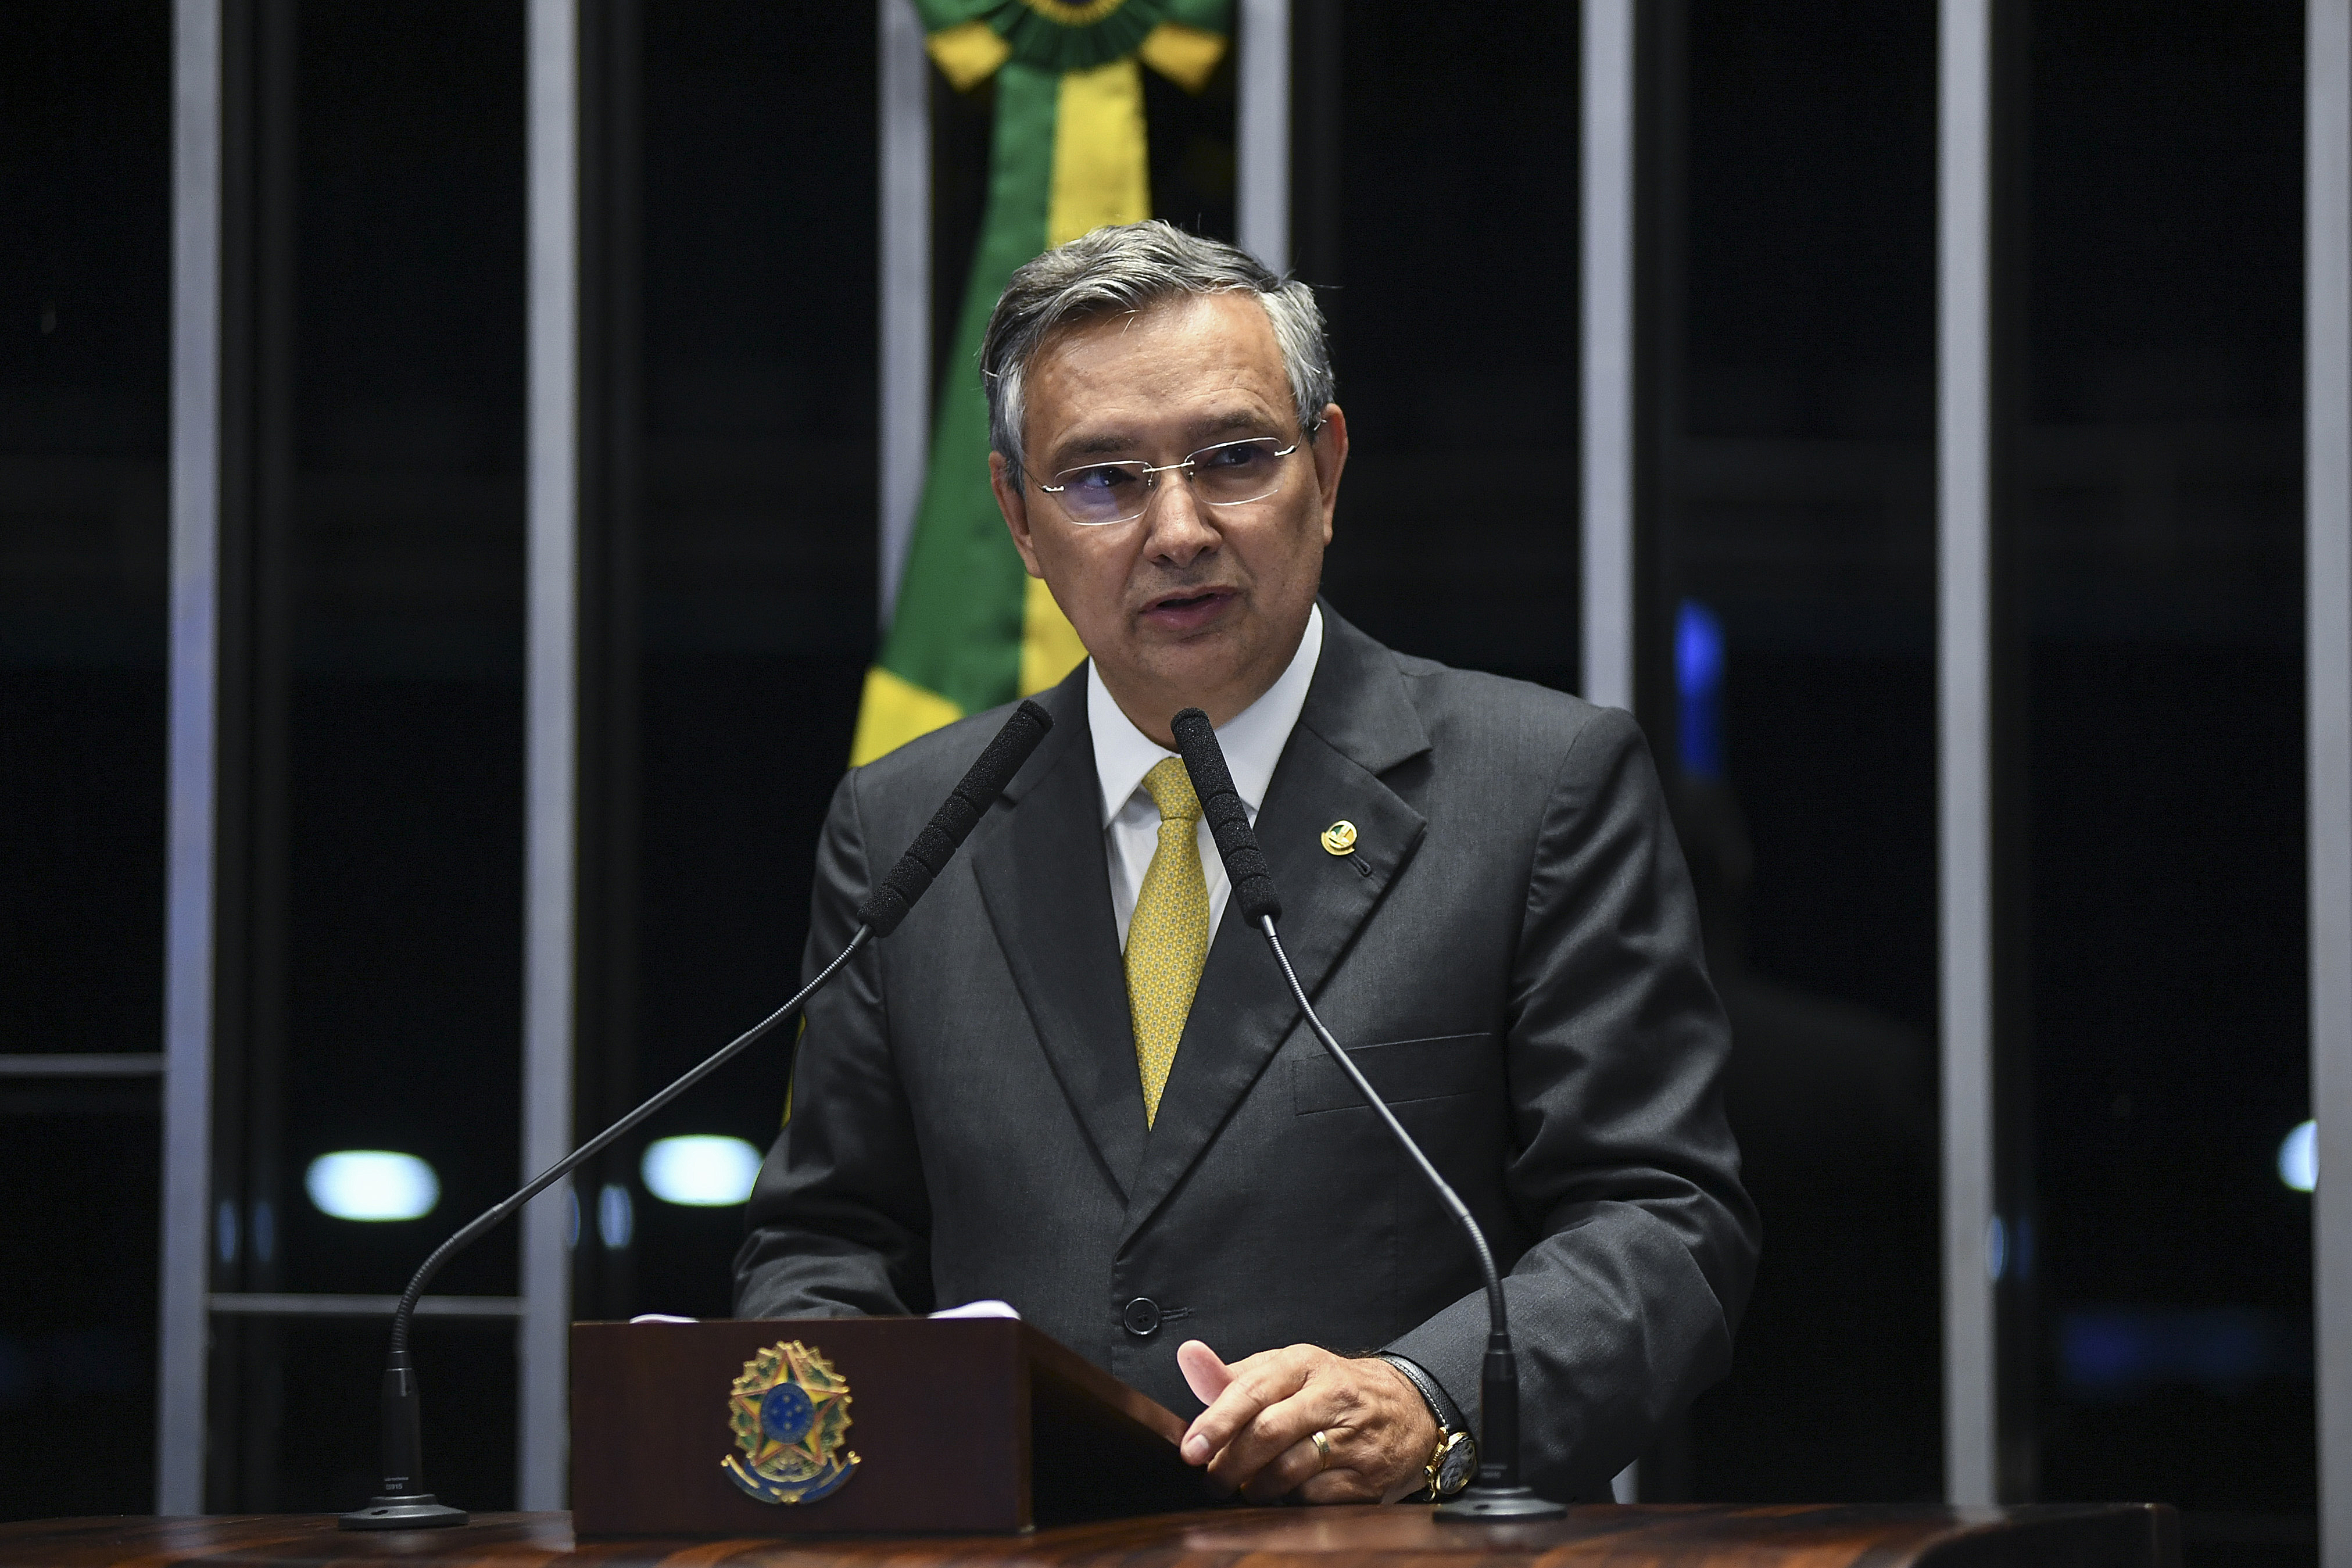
2088 1536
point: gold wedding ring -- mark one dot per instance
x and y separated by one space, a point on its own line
1322 1452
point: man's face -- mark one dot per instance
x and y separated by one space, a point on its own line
1187 604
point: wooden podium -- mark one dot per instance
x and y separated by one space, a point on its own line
964 1426
2089 1536
968 1432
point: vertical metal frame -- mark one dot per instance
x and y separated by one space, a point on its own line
1261 133
193 767
188 940
2327 623
904 440
1964 723
551 723
1607 232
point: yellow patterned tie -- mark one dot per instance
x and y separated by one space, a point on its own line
1168 939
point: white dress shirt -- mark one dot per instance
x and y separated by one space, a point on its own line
1252 744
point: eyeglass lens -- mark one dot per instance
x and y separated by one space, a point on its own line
1229 474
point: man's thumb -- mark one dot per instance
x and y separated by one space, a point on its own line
1204 1374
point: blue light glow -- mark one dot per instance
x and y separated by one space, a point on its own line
701 1171
2298 1158
616 1217
2108 1354
1698 683
371 1185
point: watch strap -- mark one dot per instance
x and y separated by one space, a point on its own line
1448 1415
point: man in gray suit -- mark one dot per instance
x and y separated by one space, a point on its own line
1068 1084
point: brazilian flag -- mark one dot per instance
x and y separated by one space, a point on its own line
972 628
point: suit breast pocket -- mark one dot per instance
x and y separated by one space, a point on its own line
1404 1071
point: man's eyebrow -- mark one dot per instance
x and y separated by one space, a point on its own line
1121 443
1239 419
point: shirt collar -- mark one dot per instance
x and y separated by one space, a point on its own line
1252 740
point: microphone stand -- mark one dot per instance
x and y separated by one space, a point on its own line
404 1504
1496 1492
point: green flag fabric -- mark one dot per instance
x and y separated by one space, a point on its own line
971 629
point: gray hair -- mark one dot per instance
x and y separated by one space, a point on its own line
1128 268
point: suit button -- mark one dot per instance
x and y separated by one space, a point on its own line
1142 1317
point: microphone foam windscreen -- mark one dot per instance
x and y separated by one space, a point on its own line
1228 819
957 815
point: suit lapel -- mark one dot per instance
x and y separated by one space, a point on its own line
1046 887
1357 725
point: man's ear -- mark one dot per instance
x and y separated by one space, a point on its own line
1331 449
1006 483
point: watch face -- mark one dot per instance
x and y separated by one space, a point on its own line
1458 1465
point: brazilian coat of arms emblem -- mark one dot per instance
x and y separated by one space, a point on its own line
790 1414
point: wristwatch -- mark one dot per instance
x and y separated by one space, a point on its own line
1455 1458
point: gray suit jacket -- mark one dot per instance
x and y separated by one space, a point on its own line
1511 953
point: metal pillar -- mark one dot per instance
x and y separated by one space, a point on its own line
1964 721
552 722
1608 331
188 940
1606 534
2327 622
1261 133
906 285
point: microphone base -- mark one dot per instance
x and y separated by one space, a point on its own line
414 1511
1497 1505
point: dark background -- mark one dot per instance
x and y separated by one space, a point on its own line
85 174
1791 266
2156 457
374 695
2150 894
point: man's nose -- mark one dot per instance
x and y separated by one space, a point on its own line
1179 523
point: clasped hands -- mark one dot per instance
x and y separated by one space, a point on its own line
1257 1437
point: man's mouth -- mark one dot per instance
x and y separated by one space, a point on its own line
1187 607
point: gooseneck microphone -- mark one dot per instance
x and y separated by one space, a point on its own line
1496 1493
404 1504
